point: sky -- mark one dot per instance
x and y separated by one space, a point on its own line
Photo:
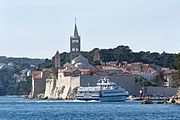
38 28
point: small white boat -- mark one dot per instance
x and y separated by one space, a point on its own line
105 91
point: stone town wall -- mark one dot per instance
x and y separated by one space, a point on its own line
38 87
156 91
59 89
71 82
50 85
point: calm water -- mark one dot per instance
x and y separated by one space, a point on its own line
14 108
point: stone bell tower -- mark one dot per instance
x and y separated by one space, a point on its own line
57 60
75 44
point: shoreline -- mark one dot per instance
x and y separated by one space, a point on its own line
137 100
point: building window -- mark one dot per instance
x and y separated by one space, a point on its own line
75 41
73 49
77 49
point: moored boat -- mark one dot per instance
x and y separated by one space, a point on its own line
105 91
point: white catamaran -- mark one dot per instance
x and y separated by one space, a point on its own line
105 91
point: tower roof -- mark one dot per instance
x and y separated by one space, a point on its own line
76 31
57 53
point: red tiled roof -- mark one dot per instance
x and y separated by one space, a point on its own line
37 74
47 70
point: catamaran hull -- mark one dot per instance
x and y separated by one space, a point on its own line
104 99
113 99
88 98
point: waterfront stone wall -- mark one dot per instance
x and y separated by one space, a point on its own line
158 91
69 83
61 87
64 86
38 87
50 86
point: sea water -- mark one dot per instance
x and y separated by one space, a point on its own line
15 108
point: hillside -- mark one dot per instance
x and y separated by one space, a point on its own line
13 78
124 53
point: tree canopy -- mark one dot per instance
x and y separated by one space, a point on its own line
124 53
176 77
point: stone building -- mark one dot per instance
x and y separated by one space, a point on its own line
96 57
39 82
57 60
81 62
75 44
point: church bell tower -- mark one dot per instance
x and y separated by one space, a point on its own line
75 44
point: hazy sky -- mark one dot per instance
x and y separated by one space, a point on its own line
38 28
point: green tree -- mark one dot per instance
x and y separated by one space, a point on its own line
65 57
24 87
143 82
176 76
158 80
47 64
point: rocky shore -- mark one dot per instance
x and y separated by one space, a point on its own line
175 99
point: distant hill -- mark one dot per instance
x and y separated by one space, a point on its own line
29 61
9 76
120 53
124 53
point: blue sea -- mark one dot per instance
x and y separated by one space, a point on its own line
15 108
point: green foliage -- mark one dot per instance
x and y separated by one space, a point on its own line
47 64
158 80
64 58
120 53
176 76
143 82
24 87
89 55
177 62
164 59
8 84
124 53
96 63
21 61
